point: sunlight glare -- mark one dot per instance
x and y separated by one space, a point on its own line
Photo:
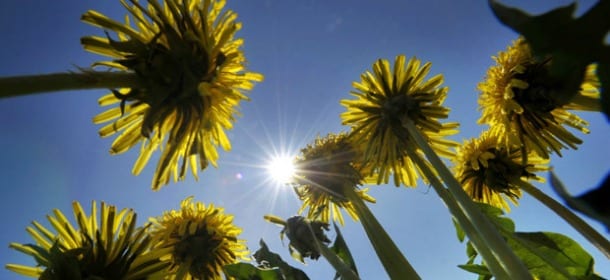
281 169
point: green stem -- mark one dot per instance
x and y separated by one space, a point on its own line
490 259
576 222
395 264
343 269
24 85
512 264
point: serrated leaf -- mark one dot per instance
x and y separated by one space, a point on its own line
340 248
246 271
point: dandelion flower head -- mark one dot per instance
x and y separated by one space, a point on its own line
201 240
192 77
325 171
490 173
385 100
518 103
112 248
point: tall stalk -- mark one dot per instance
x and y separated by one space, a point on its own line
576 222
34 84
490 235
495 267
394 262
339 265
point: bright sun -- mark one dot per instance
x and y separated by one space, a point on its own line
281 169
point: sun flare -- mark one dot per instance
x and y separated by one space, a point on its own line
281 169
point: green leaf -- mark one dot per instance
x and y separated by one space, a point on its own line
492 213
461 235
547 255
246 271
572 43
270 259
476 268
593 203
471 253
340 248
503 223
552 255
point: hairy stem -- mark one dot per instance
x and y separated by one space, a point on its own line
25 85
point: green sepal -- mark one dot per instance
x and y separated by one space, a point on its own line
340 248
573 44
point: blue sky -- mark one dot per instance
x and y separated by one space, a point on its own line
310 52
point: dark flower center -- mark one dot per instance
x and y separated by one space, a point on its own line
330 173
394 110
201 250
171 68
537 98
501 173
328 168
86 263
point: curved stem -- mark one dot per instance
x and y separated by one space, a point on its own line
491 261
576 222
24 85
394 262
513 265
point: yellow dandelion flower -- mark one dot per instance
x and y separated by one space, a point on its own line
490 173
112 248
324 170
385 100
192 76
517 101
201 240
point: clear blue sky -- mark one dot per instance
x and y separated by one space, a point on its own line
310 52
